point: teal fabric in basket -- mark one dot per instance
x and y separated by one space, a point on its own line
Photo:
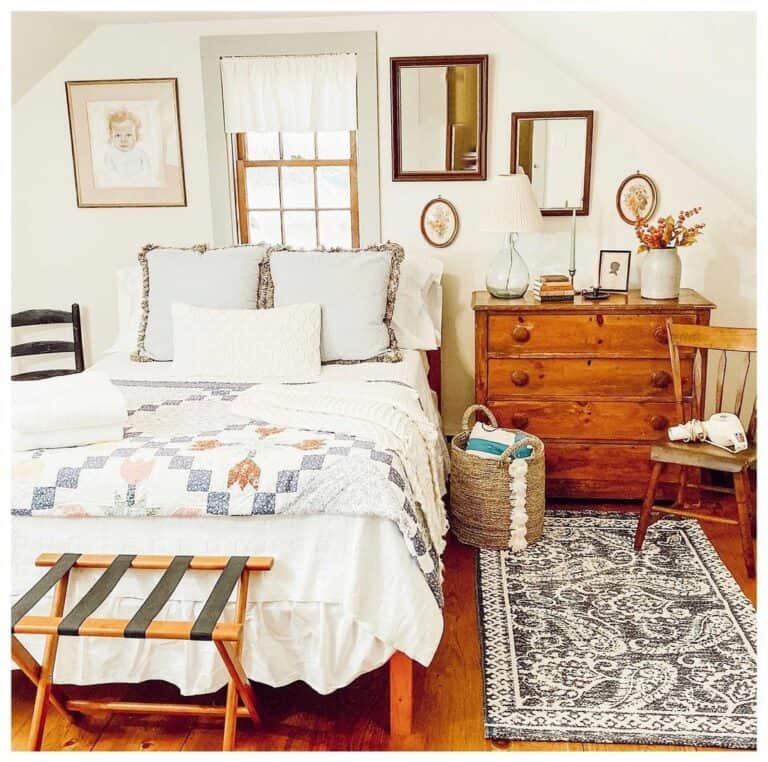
491 442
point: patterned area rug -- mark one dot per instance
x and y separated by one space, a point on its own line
583 639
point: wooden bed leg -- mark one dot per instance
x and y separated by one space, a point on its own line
400 694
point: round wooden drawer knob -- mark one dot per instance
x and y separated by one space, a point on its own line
661 379
521 333
519 378
660 334
659 422
519 420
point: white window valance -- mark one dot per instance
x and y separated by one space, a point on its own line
290 93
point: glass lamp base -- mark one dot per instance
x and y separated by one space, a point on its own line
507 293
508 275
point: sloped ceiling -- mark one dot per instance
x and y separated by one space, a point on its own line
687 79
41 40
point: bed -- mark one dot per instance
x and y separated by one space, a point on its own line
354 584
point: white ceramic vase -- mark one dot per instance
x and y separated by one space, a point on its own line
660 276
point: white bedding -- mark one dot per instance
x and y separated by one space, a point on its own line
343 595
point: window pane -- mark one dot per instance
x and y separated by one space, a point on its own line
298 145
335 229
264 226
333 187
298 188
300 229
261 184
262 145
332 145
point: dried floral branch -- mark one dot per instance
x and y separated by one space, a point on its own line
668 232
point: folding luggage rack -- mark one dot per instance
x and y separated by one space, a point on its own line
226 636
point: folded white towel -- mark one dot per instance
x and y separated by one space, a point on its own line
79 401
36 440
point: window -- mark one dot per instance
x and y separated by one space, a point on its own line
298 188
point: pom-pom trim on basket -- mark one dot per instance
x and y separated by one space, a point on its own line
518 516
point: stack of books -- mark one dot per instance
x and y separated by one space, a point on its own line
553 288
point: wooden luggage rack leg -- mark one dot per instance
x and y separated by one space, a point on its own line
226 636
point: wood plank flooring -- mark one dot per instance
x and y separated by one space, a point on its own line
448 696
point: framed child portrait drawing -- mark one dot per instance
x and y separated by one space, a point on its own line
126 142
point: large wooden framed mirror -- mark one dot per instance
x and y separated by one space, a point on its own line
439 117
554 148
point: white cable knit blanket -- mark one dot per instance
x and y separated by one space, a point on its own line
387 412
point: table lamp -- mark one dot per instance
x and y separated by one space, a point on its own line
513 210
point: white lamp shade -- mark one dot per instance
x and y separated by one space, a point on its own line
513 207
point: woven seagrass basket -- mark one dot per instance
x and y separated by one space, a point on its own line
485 494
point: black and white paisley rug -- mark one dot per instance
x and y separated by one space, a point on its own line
583 639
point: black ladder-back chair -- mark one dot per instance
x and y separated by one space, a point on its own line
49 317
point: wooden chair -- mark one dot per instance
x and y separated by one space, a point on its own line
699 455
49 317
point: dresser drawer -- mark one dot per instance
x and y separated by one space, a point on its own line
625 335
628 421
580 378
629 464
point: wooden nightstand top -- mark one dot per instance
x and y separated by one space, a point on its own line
689 299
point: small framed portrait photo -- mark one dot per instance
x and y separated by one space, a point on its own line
614 270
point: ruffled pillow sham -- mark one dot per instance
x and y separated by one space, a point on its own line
356 288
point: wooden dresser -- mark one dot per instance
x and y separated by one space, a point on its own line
591 379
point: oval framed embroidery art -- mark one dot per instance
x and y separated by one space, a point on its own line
636 198
439 223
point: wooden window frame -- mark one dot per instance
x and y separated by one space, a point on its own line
242 163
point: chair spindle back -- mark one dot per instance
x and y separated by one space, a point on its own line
741 342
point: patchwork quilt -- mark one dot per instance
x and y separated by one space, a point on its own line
197 448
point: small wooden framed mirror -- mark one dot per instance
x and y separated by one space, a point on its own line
554 148
439 117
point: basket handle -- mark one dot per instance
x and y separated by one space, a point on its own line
473 409
532 442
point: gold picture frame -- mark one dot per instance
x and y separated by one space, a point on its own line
126 142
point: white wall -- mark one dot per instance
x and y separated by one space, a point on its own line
62 253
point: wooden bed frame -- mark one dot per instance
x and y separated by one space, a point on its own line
400 665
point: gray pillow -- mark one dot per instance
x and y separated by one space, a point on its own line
217 278
356 289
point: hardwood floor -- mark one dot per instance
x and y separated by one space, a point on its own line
448 696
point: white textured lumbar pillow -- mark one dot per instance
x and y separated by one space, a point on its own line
280 344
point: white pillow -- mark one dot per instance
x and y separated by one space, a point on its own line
353 288
281 344
128 309
220 278
418 309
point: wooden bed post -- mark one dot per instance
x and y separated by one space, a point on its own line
400 694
